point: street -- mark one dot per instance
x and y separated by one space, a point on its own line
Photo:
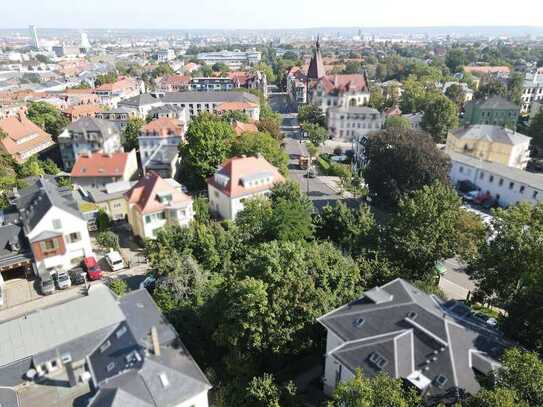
455 283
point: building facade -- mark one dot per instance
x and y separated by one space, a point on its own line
353 122
212 83
491 143
88 135
235 60
532 89
495 110
240 179
506 185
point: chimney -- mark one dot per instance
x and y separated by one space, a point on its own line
154 340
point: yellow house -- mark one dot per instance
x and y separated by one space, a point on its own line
111 198
491 143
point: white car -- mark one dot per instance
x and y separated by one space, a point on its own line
115 261
63 280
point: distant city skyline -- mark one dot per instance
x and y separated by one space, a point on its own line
251 14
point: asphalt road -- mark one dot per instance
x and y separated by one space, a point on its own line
455 283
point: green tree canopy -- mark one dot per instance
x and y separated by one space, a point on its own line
311 114
105 78
397 122
316 134
424 229
379 391
413 98
535 130
252 144
48 117
456 94
131 133
401 161
271 126
440 115
208 145
455 59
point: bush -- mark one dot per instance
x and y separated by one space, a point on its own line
108 240
118 286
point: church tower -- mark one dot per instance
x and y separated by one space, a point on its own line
316 67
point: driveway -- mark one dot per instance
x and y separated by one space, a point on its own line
455 283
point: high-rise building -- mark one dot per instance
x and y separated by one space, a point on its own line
85 43
34 37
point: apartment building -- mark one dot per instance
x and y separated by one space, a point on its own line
353 122
235 60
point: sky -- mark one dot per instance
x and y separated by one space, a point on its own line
269 14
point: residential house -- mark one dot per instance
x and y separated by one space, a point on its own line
109 198
491 143
99 169
532 89
250 80
353 122
53 225
88 135
297 85
495 110
76 112
107 350
154 203
169 111
252 110
112 93
235 60
158 146
487 70
240 128
399 330
240 179
173 83
118 116
165 55
23 138
142 103
507 185
211 84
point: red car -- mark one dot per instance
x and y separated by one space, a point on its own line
93 269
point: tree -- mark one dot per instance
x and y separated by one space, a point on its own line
316 134
311 114
440 115
108 240
397 122
44 59
262 391
352 230
266 70
131 133
201 209
252 144
456 94
535 130
516 87
499 397
401 161
118 286
282 287
208 145
30 168
471 234
48 117
269 125
49 167
231 116
522 372
220 67
423 230
379 391
110 77
413 98
490 87
103 223
455 59
377 99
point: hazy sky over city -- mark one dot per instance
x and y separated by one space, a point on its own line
186 14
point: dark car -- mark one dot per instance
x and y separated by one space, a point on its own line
77 275
47 286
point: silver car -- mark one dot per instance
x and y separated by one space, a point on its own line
63 280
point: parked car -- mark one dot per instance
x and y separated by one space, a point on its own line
115 261
63 280
92 268
466 186
77 275
470 196
47 286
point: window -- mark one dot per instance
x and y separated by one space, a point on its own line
105 346
121 331
74 237
57 224
481 175
521 189
461 169
147 219
501 182
534 195
491 178
511 185
49 245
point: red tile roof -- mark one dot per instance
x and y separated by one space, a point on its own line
487 69
240 128
144 195
226 106
344 83
100 165
175 80
239 167
163 127
19 128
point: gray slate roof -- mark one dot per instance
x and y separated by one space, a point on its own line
486 132
496 103
514 174
13 246
209 97
412 331
43 194
92 124
139 100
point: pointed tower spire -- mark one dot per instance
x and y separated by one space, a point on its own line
316 66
